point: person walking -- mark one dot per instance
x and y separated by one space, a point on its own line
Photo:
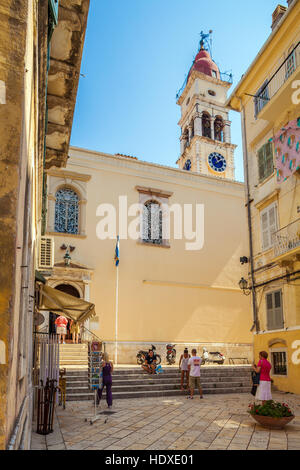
61 328
183 366
194 364
107 370
263 368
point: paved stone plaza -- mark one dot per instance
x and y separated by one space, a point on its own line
218 422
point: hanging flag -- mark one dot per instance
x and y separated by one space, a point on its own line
117 252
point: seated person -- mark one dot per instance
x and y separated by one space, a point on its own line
150 362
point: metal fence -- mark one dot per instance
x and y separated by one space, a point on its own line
287 238
282 74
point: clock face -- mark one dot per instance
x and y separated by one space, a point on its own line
217 162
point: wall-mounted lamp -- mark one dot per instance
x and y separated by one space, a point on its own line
244 260
244 287
67 258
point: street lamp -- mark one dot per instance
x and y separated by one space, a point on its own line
244 287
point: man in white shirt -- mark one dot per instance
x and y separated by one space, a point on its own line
194 370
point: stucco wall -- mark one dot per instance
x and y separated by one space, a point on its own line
165 294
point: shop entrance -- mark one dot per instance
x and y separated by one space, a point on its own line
68 289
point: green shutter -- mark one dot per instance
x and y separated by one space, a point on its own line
269 159
261 164
265 161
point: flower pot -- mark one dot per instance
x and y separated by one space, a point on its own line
274 423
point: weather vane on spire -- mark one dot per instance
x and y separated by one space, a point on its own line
205 43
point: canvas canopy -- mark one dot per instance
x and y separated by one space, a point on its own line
64 304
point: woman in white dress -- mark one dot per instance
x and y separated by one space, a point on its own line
263 368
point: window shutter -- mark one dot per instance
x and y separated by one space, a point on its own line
270 310
269 226
278 313
272 223
46 253
269 159
274 311
265 230
261 163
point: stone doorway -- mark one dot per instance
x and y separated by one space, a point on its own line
71 290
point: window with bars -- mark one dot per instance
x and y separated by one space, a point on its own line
152 223
66 211
290 65
265 161
275 319
279 362
262 97
269 226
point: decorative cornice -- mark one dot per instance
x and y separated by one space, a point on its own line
93 160
154 192
196 74
68 175
66 235
268 199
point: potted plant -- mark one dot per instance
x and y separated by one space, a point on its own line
271 414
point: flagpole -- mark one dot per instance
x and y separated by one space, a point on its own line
117 299
117 312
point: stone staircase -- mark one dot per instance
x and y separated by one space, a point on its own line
72 355
132 382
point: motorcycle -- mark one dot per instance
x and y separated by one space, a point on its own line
171 354
212 357
141 356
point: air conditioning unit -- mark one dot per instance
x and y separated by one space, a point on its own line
46 253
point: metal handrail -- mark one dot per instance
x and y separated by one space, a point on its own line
287 238
286 76
92 334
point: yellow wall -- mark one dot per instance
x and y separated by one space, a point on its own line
279 110
290 383
195 295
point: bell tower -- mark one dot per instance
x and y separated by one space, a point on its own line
205 142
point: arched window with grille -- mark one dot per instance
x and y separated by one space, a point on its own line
66 211
152 223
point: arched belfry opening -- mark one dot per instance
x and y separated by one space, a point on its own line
219 129
206 125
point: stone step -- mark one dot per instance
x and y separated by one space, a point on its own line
125 388
173 380
72 362
70 357
153 393
132 380
77 373
177 374
175 369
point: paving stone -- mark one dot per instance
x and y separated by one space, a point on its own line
172 423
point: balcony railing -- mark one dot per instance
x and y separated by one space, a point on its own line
287 239
282 74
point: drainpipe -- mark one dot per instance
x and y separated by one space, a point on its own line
249 200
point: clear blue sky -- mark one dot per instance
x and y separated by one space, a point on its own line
136 56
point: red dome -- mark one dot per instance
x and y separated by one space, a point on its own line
204 63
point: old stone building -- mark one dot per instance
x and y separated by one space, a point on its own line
268 99
41 45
